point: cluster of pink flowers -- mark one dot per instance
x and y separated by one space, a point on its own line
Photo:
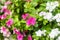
19 35
30 20
5 10
5 31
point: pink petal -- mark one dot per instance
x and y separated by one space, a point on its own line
9 22
8 2
3 16
16 31
4 8
20 37
24 16
31 21
29 37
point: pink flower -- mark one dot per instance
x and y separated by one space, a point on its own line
31 21
29 37
5 31
7 34
5 10
20 37
24 16
8 2
3 16
16 31
0 16
9 22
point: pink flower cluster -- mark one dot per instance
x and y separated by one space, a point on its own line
5 31
9 22
19 35
30 20
5 10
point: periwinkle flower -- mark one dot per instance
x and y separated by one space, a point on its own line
9 22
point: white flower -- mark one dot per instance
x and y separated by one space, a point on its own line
58 38
40 33
42 13
56 3
54 33
51 5
48 16
58 20
57 17
6 39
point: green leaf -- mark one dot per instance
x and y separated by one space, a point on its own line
45 22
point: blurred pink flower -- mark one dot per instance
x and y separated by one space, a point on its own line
8 2
5 10
9 22
7 34
16 31
20 37
31 21
3 16
29 37
24 16
5 31
0 16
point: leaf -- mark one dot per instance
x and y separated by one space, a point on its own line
45 22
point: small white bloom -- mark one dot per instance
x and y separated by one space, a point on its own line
58 38
44 32
51 5
42 13
54 33
56 3
6 39
57 17
48 16
58 20
40 33
34 39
